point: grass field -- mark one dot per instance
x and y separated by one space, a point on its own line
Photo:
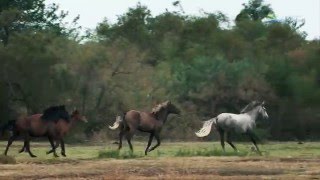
172 160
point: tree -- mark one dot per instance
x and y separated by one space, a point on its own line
255 10
131 26
30 15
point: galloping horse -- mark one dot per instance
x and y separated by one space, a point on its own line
54 124
244 122
150 122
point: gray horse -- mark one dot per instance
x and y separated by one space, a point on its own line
243 123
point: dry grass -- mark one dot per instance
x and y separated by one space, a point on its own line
165 168
86 165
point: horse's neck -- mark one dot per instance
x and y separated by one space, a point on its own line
72 122
162 116
253 113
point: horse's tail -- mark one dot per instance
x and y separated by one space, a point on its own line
9 126
116 124
206 128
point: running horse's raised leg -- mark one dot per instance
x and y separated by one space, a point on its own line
27 140
10 141
156 135
23 149
53 147
230 142
251 136
149 143
63 150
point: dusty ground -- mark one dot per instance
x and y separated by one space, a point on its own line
169 168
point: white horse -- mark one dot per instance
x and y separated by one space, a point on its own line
243 123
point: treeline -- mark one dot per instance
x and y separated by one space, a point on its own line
205 64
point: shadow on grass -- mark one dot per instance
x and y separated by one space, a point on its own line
7 160
116 154
207 152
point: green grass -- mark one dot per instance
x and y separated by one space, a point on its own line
207 152
116 154
76 153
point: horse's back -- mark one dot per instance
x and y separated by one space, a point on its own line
238 122
32 124
225 120
141 120
132 117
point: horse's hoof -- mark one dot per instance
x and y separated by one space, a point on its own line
33 156
63 154
55 155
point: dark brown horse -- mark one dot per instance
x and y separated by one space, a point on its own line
53 124
150 122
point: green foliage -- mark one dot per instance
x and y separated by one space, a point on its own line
32 15
255 10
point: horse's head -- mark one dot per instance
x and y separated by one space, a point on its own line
262 110
171 108
78 117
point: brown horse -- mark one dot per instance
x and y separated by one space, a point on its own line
55 127
150 122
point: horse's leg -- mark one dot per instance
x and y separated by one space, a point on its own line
229 141
129 136
27 139
63 150
10 140
156 135
221 133
53 147
120 139
149 143
57 144
251 136
23 148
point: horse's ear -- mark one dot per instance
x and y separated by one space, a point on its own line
262 103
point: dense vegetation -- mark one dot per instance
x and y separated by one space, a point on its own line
204 64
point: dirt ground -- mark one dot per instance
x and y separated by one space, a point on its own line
168 168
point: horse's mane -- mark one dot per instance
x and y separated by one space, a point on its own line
249 107
156 110
54 113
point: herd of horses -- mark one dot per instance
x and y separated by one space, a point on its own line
55 122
